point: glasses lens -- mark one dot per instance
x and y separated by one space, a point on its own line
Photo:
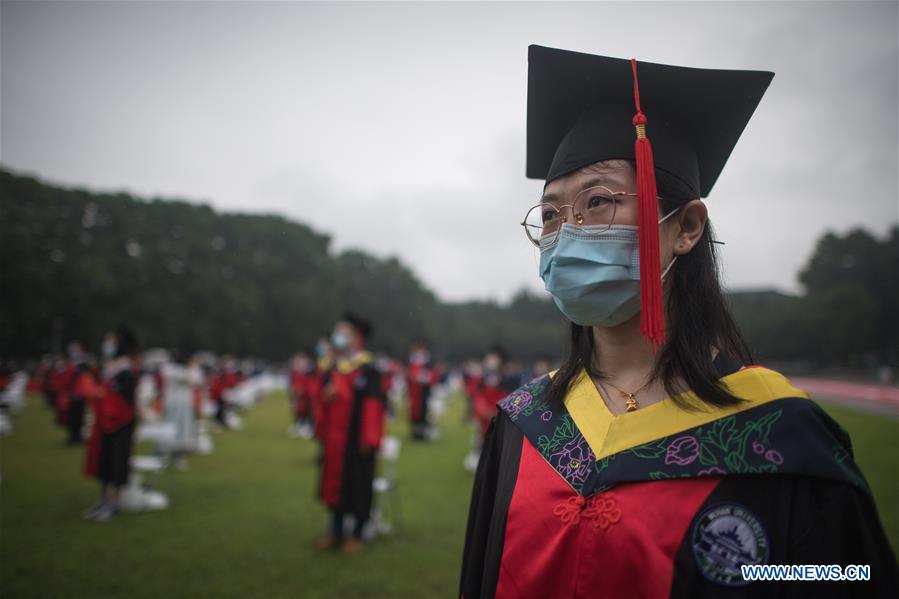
595 206
541 220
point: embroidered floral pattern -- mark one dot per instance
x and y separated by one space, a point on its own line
842 454
713 471
563 431
516 403
773 456
749 442
682 451
574 461
527 400
725 446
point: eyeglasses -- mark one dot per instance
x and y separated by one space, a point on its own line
592 206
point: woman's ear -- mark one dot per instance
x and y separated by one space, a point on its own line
691 220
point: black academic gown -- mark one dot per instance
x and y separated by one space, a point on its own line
352 436
674 515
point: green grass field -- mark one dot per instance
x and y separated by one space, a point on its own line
243 520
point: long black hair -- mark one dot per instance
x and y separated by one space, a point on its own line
698 319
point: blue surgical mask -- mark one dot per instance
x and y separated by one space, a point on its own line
339 340
109 348
593 273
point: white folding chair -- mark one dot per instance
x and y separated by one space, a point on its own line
135 497
386 487
14 394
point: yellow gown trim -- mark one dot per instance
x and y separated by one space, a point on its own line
607 433
351 363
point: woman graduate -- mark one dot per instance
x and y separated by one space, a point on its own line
109 448
657 460
181 377
352 435
420 380
301 377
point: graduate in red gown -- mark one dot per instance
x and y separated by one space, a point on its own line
494 385
6 373
302 374
59 382
355 426
420 378
216 393
227 377
315 386
472 374
389 369
80 384
115 417
232 376
658 460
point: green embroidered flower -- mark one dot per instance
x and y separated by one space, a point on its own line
563 432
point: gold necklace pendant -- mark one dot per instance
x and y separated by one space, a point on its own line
630 404
630 399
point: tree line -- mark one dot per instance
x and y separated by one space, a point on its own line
76 262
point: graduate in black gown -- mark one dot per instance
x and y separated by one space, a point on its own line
353 429
420 380
82 378
108 452
658 460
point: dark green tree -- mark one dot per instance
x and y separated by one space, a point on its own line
74 263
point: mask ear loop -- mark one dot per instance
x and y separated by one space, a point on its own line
664 218
670 214
670 264
538 252
711 241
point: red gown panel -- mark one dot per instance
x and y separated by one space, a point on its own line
580 541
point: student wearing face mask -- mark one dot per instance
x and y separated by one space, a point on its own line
324 361
495 384
180 377
80 382
485 390
420 378
302 373
352 436
657 460
109 448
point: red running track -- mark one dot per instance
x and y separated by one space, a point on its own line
874 395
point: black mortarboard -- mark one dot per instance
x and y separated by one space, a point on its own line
497 349
583 109
581 106
357 322
126 341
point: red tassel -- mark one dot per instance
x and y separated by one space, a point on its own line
652 319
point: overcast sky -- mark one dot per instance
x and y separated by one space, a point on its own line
399 127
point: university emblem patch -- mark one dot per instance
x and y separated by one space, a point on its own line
725 537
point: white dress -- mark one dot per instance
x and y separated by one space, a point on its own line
179 383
